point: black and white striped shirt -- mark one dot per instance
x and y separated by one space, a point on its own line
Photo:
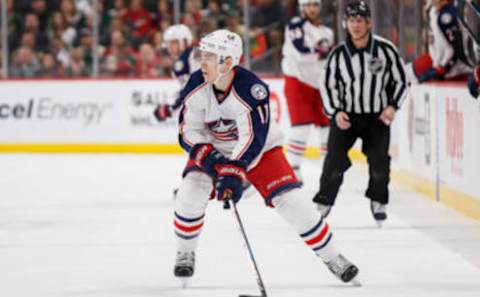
363 81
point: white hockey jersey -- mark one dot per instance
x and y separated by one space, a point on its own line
305 50
239 126
445 41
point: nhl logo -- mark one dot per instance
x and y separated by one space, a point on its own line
259 92
375 65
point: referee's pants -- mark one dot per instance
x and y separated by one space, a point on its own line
375 137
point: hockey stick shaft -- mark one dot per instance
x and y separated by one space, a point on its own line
261 286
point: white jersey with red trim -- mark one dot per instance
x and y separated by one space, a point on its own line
305 50
238 125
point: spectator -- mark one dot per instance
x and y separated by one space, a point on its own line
25 64
119 8
192 11
28 40
267 12
148 64
39 8
15 25
60 52
76 66
32 26
72 16
50 68
163 14
118 59
139 21
86 43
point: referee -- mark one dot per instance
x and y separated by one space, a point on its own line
362 86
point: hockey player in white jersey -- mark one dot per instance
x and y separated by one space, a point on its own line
307 45
446 56
225 128
179 41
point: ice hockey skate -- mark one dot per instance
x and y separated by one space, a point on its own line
379 212
184 267
344 269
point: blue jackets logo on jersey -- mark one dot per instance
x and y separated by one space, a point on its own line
225 130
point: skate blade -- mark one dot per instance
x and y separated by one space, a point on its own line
356 283
184 281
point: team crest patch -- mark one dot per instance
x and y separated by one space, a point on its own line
178 66
259 92
375 65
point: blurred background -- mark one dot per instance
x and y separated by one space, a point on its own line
124 38
115 38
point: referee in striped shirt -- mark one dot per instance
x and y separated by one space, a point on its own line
363 85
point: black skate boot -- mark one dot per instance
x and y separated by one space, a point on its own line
379 212
184 266
343 269
322 206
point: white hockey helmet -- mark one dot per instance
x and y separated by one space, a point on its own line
305 2
224 44
178 32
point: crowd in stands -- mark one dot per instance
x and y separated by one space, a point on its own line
54 38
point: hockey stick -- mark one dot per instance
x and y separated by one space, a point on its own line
261 286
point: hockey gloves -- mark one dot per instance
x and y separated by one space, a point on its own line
205 156
162 112
474 83
230 179
434 73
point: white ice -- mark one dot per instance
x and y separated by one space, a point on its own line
101 225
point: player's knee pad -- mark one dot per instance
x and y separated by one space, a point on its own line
194 193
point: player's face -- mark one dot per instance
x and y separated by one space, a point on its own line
358 26
311 11
174 48
209 66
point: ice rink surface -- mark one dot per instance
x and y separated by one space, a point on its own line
101 225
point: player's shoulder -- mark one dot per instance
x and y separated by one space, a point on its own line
447 16
181 65
194 83
296 22
250 87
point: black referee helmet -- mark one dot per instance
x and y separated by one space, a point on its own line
357 8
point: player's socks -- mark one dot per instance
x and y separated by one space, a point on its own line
313 229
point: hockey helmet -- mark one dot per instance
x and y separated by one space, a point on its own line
224 44
305 2
178 32
357 8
